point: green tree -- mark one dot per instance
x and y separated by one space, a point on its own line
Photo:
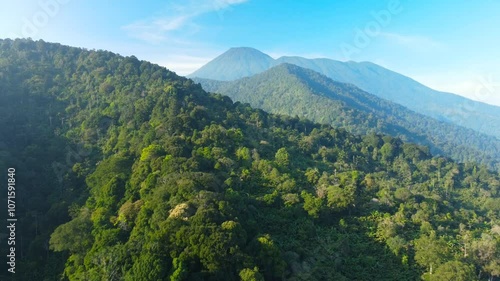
282 157
454 270
431 251
248 274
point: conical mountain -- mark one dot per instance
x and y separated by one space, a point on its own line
235 63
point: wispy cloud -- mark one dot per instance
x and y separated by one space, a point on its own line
307 55
184 64
413 42
470 84
179 16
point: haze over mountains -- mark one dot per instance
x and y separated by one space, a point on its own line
295 91
242 62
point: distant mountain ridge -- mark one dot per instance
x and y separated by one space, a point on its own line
243 62
295 91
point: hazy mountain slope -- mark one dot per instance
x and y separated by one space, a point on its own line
374 79
292 90
235 63
398 88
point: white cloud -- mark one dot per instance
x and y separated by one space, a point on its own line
184 64
179 15
413 42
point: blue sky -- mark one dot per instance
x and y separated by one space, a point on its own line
448 45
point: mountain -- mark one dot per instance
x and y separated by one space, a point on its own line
126 171
376 80
235 63
296 91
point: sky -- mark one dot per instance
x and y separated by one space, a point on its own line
448 45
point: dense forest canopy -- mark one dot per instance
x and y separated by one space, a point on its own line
129 172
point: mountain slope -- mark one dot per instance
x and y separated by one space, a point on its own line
235 63
381 82
126 171
292 90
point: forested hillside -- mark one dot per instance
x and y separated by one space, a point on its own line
127 171
295 91
237 63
